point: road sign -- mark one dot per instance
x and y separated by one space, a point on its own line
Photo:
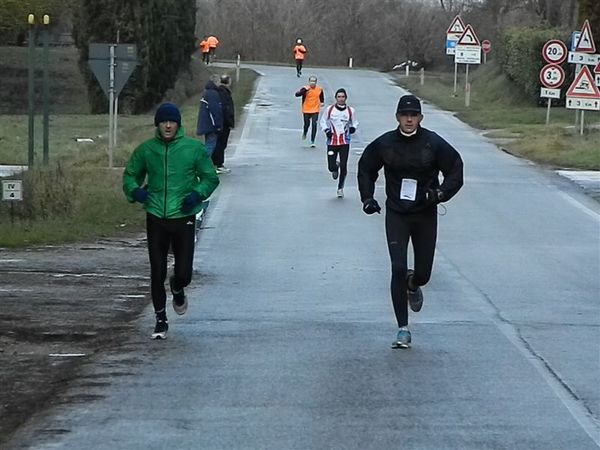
451 43
585 43
583 85
554 51
456 27
583 103
469 37
583 58
126 52
549 93
125 64
574 38
552 76
12 190
467 54
486 46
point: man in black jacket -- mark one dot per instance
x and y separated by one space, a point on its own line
412 158
218 155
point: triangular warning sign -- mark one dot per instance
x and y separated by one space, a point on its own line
583 85
597 68
585 43
468 37
456 27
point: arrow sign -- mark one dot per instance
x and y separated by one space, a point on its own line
585 43
583 85
468 37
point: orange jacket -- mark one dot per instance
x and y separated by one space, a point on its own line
204 48
212 42
312 98
299 51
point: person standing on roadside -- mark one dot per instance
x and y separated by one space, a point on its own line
339 123
210 116
170 175
312 100
412 158
299 51
205 49
218 156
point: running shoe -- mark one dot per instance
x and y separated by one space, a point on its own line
340 193
180 303
312 144
415 298
161 328
403 338
223 169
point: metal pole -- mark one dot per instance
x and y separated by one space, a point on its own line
548 111
237 68
422 76
111 104
45 92
115 121
350 62
581 129
455 77
30 88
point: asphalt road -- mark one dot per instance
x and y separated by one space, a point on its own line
286 344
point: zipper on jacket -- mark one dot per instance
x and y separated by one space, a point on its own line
166 178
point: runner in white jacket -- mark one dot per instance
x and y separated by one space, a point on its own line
339 123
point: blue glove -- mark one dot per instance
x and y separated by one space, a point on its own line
352 130
189 202
140 195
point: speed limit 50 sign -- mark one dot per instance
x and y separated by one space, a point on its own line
552 76
554 51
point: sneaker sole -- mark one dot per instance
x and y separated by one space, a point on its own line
400 345
180 310
159 336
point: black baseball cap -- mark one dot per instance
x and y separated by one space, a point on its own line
408 103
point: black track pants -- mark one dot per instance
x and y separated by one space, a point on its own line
163 234
218 155
421 229
332 161
311 119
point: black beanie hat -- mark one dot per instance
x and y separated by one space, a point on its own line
167 111
341 90
408 103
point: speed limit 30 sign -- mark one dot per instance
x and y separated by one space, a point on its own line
552 76
554 51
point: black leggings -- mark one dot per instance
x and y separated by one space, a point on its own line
218 155
299 66
311 119
332 155
163 234
421 229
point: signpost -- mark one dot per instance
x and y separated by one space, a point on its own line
453 33
486 46
12 190
552 76
112 64
468 51
583 94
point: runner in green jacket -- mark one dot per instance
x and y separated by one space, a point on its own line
178 176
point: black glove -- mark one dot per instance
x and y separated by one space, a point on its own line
328 133
352 130
371 206
189 202
434 196
140 195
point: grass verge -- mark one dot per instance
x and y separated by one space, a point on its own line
76 197
499 107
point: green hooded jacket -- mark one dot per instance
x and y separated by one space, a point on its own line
172 170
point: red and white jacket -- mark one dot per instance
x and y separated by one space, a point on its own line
339 122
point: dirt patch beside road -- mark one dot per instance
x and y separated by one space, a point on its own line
60 308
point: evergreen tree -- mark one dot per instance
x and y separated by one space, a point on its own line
163 31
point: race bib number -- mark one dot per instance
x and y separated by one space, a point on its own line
408 189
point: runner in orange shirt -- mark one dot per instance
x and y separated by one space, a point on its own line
312 101
213 43
204 49
299 50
